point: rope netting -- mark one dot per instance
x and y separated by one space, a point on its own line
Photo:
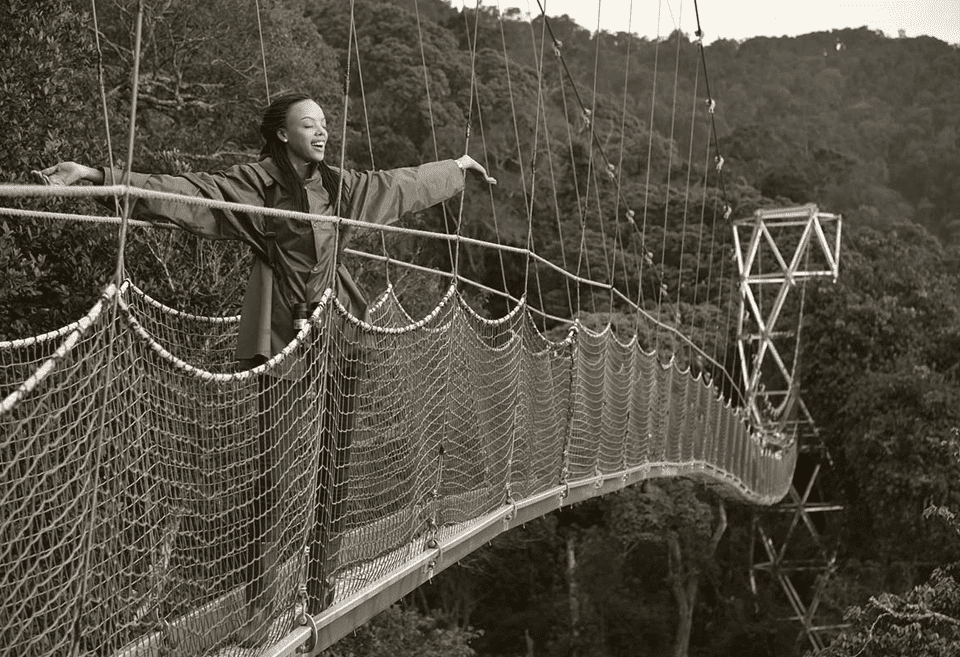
157 499
144 509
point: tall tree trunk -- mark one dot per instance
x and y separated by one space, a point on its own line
573 594
685 581
684 584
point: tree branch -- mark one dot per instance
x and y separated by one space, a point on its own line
917 616
720 529
903 616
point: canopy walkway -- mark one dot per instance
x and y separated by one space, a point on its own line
150 491
131 453
134 457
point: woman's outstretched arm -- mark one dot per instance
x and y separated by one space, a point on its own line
239 184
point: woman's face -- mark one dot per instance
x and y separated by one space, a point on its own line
305 133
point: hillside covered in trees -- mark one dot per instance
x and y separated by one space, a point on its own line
860 123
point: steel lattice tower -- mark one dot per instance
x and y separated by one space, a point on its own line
778 250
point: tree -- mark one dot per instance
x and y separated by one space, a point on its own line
924 621
676 514
513 588
898 458
50 269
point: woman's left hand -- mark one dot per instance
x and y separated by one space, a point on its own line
466 162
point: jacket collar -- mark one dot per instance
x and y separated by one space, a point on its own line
268 171
268 166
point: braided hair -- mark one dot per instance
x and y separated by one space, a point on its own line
274 118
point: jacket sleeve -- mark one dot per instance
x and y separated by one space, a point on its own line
383 197
239 184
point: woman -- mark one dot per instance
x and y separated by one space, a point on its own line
296 261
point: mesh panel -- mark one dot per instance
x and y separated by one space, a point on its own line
155 497
48 482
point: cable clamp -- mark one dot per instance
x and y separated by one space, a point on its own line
302 586
719 160
727 212
432 543
711 105
311 643
557 45
611 171
513 512
630 215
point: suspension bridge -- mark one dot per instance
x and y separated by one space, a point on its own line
133 515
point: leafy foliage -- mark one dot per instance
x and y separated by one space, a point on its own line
51 271
881 368
923 621
404 633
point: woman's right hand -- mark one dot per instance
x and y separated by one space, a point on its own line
465 162
67 173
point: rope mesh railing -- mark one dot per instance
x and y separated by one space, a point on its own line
291 487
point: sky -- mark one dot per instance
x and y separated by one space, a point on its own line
742 19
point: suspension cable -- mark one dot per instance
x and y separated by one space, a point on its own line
591 168
711 104
618 240
666 203
516 136
343 130
583 256
647 253
263 52
127 207
700 256
573 172
486 152
373 163
556 206
686 196
103 93
466 139
433 126
585 112
93 472
534 158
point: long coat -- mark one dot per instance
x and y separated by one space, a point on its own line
295 260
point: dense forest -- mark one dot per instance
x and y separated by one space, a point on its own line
858 122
